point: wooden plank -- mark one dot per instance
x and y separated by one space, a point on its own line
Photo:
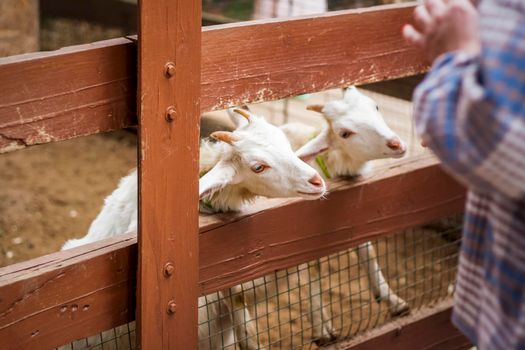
52 300
77 91
428 329
241 63
234 247
282 233
169 31
272 59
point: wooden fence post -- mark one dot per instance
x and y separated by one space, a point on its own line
168 100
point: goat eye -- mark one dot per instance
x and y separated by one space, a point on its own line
259 168
377 107
346 134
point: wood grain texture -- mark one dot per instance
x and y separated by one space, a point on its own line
77 91
272 59
169 31
54 299
283 233
273 234
91 88
426 329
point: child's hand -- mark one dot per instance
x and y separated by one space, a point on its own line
442 26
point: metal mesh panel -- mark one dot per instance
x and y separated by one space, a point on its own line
325 300
285 311
119 338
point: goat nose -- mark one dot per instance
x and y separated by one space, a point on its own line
395 144
316 180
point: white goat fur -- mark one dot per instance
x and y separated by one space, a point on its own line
349 156
229 182
369 139
369 136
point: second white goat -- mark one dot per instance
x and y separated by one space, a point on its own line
355 133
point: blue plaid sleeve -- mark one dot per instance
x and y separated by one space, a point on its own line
471 110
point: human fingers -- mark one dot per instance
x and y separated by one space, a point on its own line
412 36
423 22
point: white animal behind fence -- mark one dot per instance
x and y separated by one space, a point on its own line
355 133
253 160
256 159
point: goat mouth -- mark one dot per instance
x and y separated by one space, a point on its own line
317 194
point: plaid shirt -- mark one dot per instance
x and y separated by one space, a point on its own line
471 110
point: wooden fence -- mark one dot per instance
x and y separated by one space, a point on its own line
87 89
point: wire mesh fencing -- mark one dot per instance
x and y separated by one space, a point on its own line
342 295
323 301
119 338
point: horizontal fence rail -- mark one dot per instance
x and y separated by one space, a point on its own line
48 301
428 329
86 89
283 233
55 299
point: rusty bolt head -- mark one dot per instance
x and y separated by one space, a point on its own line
172 307
171 113
169 69
168 269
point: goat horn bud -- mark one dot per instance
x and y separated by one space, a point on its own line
243 113
315 108
224 136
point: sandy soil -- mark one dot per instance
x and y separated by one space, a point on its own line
52 192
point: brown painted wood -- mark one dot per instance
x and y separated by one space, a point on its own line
272 59
282 233
169 31
76 91
54 299
271 235
90 88
426 329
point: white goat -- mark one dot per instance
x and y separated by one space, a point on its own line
354 135
254 160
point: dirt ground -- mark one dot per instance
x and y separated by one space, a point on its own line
52 192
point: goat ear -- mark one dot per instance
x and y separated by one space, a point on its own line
224 136
240 116
220 176
314 147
